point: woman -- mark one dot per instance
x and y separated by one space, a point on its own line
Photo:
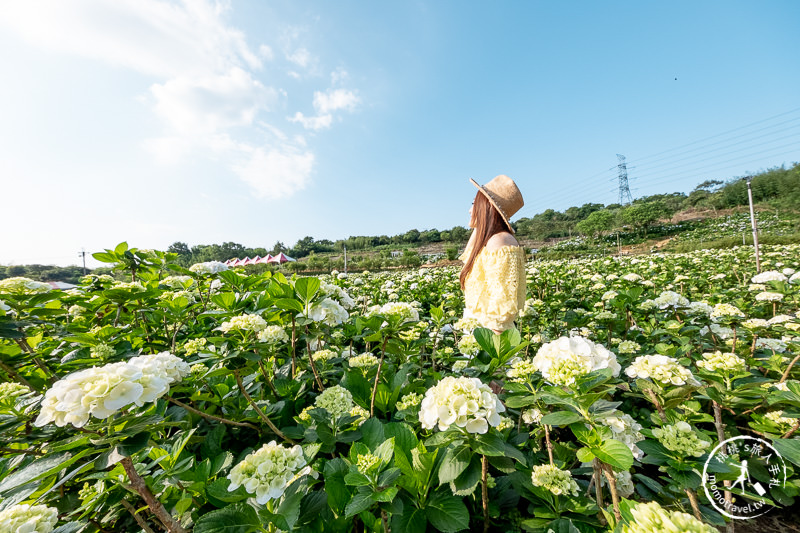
493 277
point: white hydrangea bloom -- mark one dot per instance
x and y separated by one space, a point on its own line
629 347
626 430
323 355
652 518
680 438
465 402
408 401
403 311
723 310
670 300
364 360
328 311
468 346
20 285
769 275
25 518
563 360
244 323
268 471
334 291
632 277
521 370
795 278
660 368
210 267
273 335
554 479
755 323
466 325
102 391
768 296
532 416
775 345
336 400
779 319
716 361
722 332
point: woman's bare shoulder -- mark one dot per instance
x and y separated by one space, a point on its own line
498 240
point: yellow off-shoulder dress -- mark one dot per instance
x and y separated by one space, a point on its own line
494 291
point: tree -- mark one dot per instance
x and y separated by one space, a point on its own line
596 223
278 248
641 215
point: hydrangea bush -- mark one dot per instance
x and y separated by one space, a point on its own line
214 398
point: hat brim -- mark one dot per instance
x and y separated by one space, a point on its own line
494 204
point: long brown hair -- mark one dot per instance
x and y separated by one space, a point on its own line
488 222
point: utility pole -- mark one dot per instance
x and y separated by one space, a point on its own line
624 189
753 224
345 258
82 253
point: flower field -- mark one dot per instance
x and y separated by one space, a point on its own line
210 400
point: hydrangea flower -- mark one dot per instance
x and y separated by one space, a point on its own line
364 360
778 418
628 347
208 268
666 370
565 359
755 323
725 311
469 346
401 311
244 323
716 361
465 402
192 346
626 430
632 277
670 299
336 400
409 401
268 471
20 285
102 391
532 416
25 518
338 293
624 482
554 479
323 355
767 296
652 518
102 351
273 335
328 311
521 370
367 463
775 345
769 275
9 391
680 438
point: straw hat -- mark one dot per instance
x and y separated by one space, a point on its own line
504 195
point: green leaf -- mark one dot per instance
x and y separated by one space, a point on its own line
361 501
447 512
412 520
789 449
385 451
488 341
356 479
338 494
105 257
224 300
615 453
492 444
562 525
561 418
121 248
584 455
218 490
236 518
372 433
306 288
454 462
515 402
288 304
465 484
39 468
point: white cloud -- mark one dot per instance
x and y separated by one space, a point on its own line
300 57
276 173
335 100
206 84
203 106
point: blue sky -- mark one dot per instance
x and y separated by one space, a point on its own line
254 121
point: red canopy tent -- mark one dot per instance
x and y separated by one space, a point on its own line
281 258
262 260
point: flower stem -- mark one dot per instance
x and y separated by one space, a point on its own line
549 444
695 505
138 483
258 411
211 417
485 492
377 377
612 485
